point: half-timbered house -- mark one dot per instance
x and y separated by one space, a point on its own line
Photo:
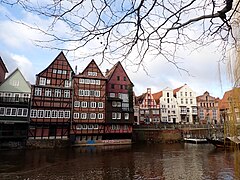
119 109
52 101
89 102
14 107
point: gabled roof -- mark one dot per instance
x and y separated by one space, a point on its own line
156 96
95 64
23 87
3 65
224 102
60 56
110 72
178 89
139 99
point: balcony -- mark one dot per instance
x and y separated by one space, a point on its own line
15 101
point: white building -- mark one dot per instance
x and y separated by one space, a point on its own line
187 104
168 106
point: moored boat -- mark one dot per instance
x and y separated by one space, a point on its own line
228 142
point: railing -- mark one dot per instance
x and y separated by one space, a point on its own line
14 100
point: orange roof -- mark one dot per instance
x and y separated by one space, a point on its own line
156 96
224 102
177 89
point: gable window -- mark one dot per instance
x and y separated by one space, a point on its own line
124 78
97 82
67 83
81 92
93 81
112 86
118 78
48 81
42 81
64 72
38 91
15 83
54 71
87 81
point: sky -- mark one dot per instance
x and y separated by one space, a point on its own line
18 50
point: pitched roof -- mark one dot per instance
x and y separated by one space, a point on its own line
92 62
61 54
3 65
177 89
156 96
224 102
110 72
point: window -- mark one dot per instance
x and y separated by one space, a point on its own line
181 101
76 104
95 126
81 81
92 73
83 104
100 104
90 126
54 114
8 112
93 104
86 93
40 113
59 71
83 115
15 83
186 101
54 71
2 109
67 114
87 81
112 94
121 86
126 116
118 78
97 93
67 93
48 92
100 116
64 72
47 114
190 94
92 115
57 93
114 104
92 92
114 115
181 93
185 93
112 86
81 92
38 91
84 126
14 112
48 81
67 83
42 81
76 115
124 78
126 87
97 82
78 126
20 112
191 101
60 114
93 81
118 115
33 113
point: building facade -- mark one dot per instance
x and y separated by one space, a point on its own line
168 105
51 104
149 109
89 102
15 94
187 104
3 70
208 110
119 109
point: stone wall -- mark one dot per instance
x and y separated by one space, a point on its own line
47 143
157 135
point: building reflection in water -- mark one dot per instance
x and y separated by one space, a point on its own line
139 161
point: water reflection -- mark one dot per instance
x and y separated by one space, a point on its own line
139 161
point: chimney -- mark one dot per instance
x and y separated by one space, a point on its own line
76 69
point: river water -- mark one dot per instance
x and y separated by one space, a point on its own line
137 161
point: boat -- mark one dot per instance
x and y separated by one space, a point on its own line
196 140
228 142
